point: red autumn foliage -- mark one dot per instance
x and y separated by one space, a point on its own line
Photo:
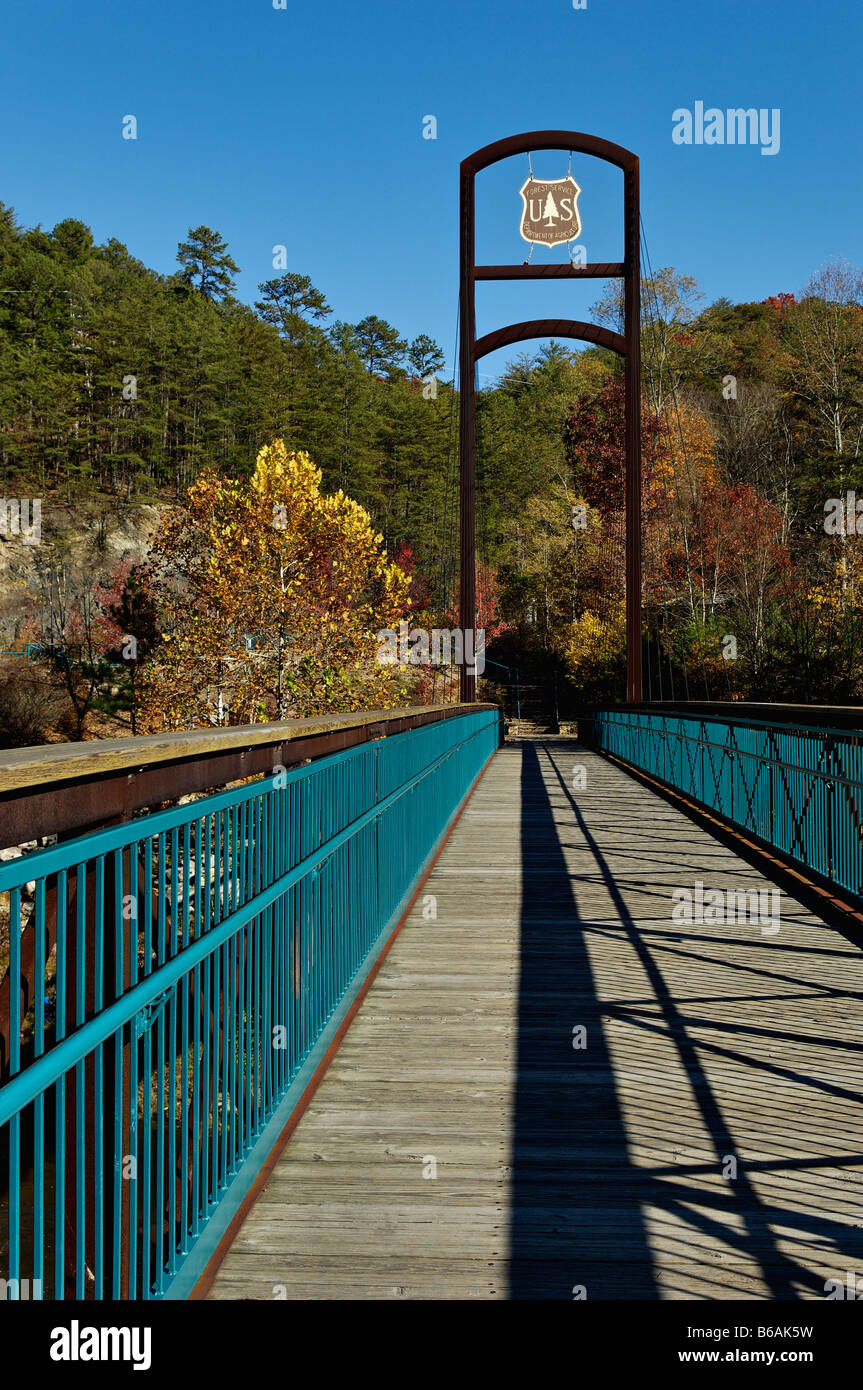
780 302
594 435
420 593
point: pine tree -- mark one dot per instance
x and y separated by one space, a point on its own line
379 344
425 356
205 256
293 306
290 303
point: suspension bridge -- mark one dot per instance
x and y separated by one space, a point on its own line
451 1001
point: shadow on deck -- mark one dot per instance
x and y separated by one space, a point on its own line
702 1140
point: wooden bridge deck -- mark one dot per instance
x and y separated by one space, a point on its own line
607 1168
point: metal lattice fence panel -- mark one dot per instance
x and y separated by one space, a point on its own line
798 789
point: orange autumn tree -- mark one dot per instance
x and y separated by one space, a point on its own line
271 596
683 452
680 471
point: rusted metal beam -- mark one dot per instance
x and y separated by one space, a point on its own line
627 345
126 775
573 140
632 373
20 767
550 328
601 270
467 426
844 717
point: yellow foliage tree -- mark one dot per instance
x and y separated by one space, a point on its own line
841 593
592 642
684 453
271 596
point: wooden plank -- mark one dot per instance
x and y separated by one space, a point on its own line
706 1143
48 765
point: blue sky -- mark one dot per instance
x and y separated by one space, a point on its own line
303 127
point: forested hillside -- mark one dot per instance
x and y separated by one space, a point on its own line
115 378
121 389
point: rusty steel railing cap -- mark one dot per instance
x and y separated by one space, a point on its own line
22 768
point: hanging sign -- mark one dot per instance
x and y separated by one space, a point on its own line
550 215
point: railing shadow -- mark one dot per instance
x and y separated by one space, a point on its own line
580 1202
570 1164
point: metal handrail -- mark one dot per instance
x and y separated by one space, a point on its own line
65 788
206 956
798 790
838 734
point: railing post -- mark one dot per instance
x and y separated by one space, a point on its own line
98 969
831 787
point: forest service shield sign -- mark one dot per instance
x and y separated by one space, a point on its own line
550 214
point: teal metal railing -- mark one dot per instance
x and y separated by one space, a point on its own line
204 957
797 788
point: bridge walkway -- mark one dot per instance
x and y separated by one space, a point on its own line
706 1142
